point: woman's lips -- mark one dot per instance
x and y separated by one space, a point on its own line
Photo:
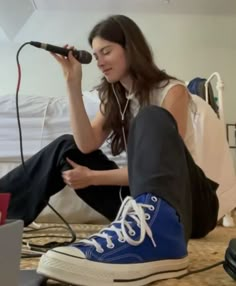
106 72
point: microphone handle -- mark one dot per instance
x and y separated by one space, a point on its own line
59 50
83 57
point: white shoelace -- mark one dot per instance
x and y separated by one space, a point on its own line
129 208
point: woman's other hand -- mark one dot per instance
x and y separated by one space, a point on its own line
79 177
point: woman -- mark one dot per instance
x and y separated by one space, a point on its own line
147 112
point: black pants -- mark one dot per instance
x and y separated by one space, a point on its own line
158 162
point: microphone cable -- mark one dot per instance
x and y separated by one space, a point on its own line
52 244
17 103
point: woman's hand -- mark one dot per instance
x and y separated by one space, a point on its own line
79 177
71 67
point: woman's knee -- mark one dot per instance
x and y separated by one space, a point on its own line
64 141
65 138
154 119
153 113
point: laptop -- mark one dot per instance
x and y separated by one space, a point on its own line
10 251
32 278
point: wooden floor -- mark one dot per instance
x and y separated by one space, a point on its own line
202 253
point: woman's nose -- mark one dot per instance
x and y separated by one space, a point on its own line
100 62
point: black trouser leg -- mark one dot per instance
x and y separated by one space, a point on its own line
31 188
159 163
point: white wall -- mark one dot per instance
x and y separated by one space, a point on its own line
186 46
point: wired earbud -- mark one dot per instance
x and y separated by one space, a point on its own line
122 113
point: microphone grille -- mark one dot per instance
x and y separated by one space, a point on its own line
84 57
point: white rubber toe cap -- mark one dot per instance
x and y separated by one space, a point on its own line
68 250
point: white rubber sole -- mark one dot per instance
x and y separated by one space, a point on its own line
76 271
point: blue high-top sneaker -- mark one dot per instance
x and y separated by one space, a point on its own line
145 243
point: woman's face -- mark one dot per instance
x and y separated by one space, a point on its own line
111 59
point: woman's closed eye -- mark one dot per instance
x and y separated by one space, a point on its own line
106 52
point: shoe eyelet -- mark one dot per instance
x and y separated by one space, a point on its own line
154 199
110 246
132 233
151 208
147 216
122 240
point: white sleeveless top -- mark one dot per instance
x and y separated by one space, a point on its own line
157 98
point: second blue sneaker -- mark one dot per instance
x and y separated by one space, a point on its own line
145 243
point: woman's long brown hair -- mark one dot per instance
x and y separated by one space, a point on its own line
144 72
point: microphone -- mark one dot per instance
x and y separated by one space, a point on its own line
83 57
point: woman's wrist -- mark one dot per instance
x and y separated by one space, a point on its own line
74 85
94 177
114 177
75 91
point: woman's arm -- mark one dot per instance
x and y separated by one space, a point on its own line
176 102
88 137
80 177
117 177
